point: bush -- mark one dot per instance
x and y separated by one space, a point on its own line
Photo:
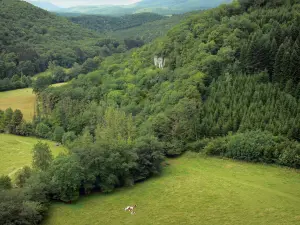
198 145
216 147
58 134
42 130
22 175
5 182
256 146
253 147
290 155
68 137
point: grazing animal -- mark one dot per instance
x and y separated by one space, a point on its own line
130 209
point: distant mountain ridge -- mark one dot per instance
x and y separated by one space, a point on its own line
46 6
166 7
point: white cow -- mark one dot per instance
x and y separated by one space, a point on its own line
130 209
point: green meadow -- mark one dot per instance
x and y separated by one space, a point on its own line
195 190
15 152
23 99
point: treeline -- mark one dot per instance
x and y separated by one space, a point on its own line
105 24
253 146
16 82
112 158
12 122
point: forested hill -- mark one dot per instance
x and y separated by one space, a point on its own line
109 23
202 91
31 37
225 82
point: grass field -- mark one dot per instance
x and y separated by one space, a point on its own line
15 152
22 99
195 190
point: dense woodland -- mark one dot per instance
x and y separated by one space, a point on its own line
110 23
230 88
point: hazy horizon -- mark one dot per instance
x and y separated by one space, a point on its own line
72 3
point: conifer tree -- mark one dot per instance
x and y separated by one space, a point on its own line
295 61
277 73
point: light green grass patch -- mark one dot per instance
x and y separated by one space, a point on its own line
195 190
22 99
59 84
16 152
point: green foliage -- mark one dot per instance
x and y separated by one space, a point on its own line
241 103
104 24
256 146
32 37
58 134
22 175
68 137
67 174
5 183
150 158
41 83
16 209
42 156
42 130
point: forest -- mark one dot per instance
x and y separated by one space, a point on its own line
230 87
109 23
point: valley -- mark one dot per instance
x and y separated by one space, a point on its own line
186 112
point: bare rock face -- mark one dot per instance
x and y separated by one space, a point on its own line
159 62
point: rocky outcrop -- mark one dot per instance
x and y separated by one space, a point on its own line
159 62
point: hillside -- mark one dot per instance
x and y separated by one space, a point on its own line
109 23
148 31
31 37
199 53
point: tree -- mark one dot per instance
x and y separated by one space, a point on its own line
67 175
5 182
295 61
2 126
58 134
42 130
8 114
41 83
68 137
42 156
16 120
22 175
278 73
150 157
89 65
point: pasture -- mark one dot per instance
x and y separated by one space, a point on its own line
195 190
22 99
16 151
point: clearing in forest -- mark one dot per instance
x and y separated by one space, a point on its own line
16 152
22 99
